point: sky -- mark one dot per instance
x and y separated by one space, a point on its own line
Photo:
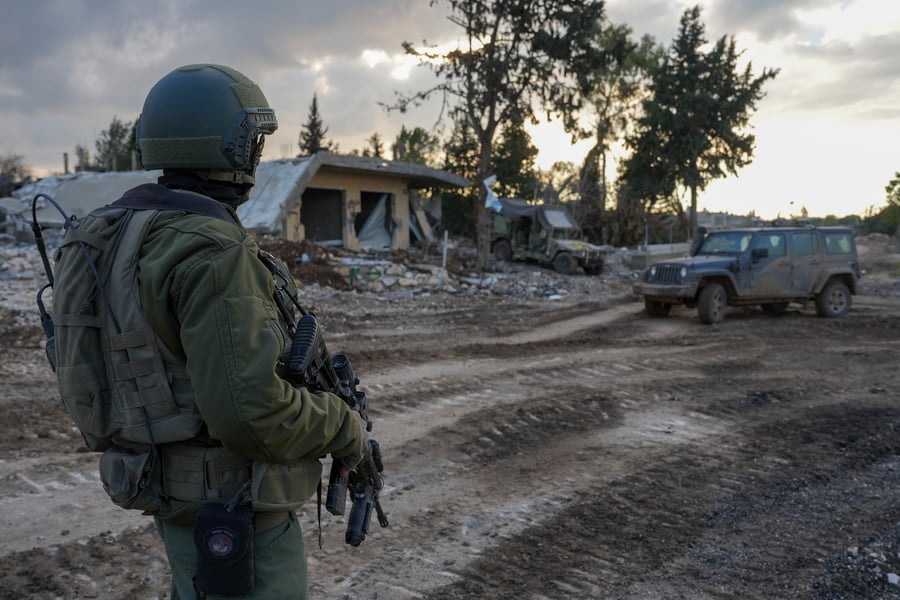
826 131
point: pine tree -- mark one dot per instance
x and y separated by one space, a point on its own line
312 135
460 157
694 127
375 147
514 163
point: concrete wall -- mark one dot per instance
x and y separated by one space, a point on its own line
352 185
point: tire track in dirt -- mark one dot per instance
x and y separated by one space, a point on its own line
475 504
438 560
620 534
481 435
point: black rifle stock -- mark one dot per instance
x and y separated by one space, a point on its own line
311 366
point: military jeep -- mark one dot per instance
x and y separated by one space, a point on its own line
769 267
545 234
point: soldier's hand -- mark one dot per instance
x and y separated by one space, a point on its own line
363 449
370 467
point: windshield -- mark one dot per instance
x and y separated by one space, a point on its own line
725 242
566 234
558 219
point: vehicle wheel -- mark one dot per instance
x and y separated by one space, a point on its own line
713 303
775 308
595 270
657 309
564 263
502 251
834 300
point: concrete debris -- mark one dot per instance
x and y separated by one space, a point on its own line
415 271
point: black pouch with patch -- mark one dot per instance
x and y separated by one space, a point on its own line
224 540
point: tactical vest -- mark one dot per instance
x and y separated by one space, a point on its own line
127 393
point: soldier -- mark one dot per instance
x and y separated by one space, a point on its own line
170 340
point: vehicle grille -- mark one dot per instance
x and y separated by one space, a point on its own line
667 274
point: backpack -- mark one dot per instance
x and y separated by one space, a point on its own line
116 378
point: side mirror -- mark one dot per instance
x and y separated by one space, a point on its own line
759 253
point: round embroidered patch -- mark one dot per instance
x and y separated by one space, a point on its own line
220 541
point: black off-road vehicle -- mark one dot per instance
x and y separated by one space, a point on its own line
770 267
544 234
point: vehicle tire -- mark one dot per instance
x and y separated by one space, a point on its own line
595 270
502 250
564 263
834 300
713 303
775 308
657 309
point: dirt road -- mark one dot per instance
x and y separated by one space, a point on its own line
541 450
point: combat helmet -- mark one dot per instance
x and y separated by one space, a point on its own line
208 119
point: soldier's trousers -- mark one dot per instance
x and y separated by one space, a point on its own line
281 570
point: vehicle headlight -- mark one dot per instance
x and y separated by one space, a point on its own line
653 271
683 272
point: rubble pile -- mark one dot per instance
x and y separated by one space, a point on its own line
406 273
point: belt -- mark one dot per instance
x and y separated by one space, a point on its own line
196 472
266 521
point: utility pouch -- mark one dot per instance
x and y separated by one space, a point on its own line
225 558
132 479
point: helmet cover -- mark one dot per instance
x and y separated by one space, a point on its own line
204 117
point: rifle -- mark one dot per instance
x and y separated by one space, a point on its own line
311 366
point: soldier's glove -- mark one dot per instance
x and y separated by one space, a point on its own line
363 449
371 466
368 464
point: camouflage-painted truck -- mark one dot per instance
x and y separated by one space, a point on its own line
544 234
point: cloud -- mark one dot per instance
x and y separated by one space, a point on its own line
767 20
657 18
70 66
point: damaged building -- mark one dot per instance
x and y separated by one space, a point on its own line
350 201
332 199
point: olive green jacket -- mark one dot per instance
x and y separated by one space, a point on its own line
210 299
